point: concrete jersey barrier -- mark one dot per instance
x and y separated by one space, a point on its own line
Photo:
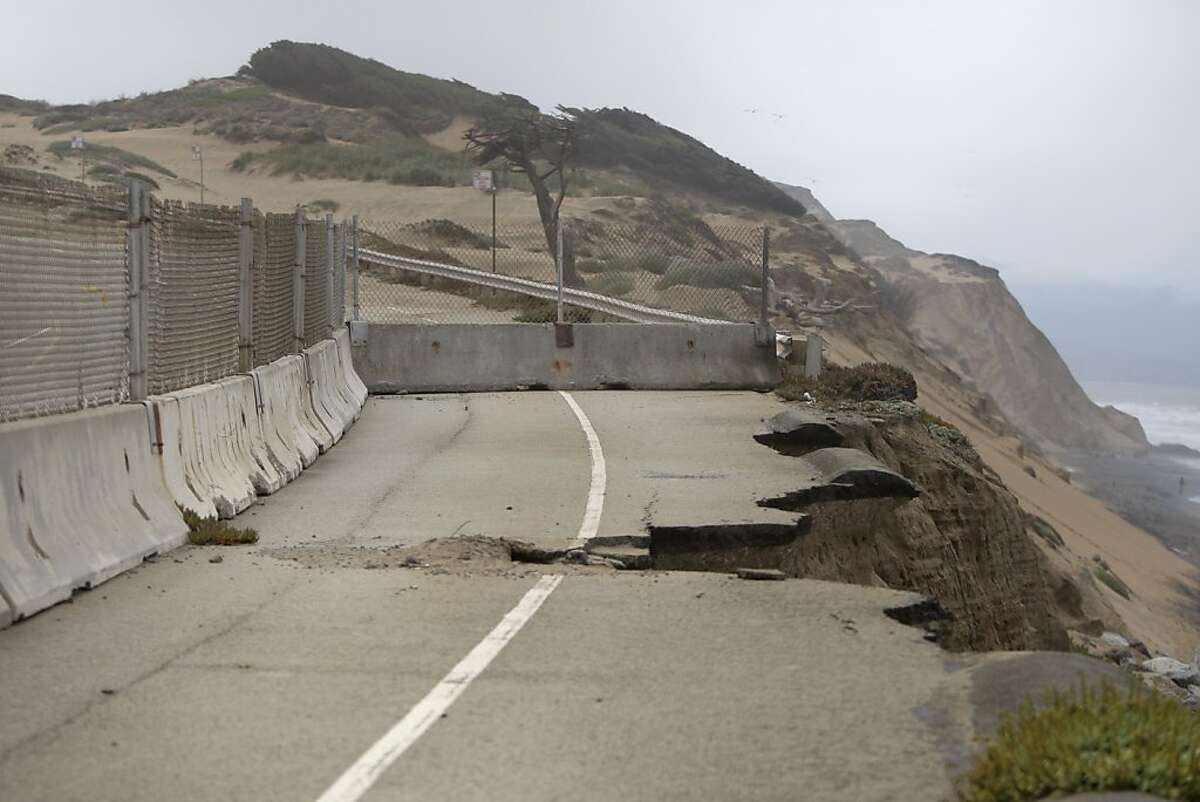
354 385
313 419
333 402
166 431
250 443
81 500
589 356
286 428
216 463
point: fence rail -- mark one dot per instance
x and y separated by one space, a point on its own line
434 271
583 299
107 295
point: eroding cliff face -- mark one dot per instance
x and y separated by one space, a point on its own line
964 315
891 497
963 541
961 314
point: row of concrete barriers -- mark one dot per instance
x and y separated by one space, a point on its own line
87 495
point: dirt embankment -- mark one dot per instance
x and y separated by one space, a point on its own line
963 540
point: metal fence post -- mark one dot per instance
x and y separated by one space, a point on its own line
329 252
764 313
558 262
138 242
298 284
357 308
342 257
246 287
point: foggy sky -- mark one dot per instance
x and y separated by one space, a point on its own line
1054 139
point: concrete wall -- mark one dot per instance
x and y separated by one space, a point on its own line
466 358
87 495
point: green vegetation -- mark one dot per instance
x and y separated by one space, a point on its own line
454 235
20 106
620 151
1045 530
717 275
369 240
1106 575
324 205
109 174
943 430
113 159
1093 740
411 103
601 184
366 119
871 381
613 284
395 159
649 262
213 532
658 155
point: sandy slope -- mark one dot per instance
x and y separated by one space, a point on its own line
377 201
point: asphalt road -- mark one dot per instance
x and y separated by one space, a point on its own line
270 674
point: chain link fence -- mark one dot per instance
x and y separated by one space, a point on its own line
192 295
274 274
318 254
72 257
443 271
64 308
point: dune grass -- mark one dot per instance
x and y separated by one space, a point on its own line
1105 739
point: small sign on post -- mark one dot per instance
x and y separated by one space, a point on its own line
198 156
484 181
78 143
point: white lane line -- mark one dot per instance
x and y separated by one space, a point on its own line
367 769
359 778
595 501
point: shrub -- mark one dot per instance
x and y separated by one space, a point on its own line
590 266
1114 582
1092 740
715 275
871 381
213 532
109 156
1045 530
454 234
395 159
615 284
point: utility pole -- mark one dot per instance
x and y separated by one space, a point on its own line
198 156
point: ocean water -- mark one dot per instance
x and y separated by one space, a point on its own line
1168 414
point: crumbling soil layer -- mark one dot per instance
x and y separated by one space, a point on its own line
961 541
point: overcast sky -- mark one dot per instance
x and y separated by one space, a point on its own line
1055 139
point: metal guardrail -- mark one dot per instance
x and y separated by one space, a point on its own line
626 310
